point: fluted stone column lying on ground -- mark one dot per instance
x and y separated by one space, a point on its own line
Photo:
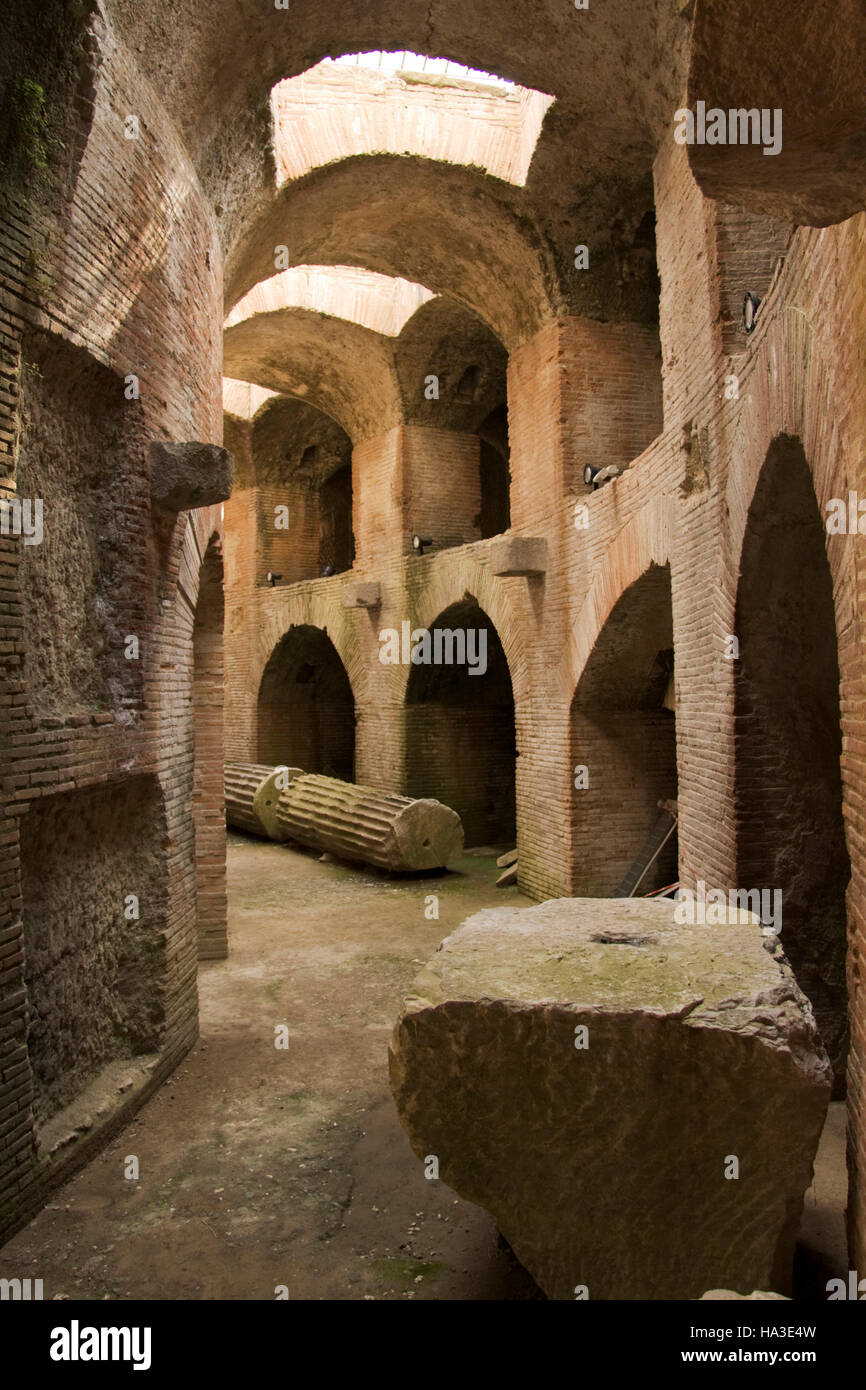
373 827
252 790
637 1103
357 823
242 781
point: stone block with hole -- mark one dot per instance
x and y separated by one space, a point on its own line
636 1102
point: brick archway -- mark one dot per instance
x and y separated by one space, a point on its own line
644 541
306 708
460 735
623 745
790 835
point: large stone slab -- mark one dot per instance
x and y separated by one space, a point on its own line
607 1165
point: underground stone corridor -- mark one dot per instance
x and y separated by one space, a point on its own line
432 659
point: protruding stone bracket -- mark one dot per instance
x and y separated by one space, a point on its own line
362 595
519 555
186 476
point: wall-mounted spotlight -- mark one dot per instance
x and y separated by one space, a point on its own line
750 311
421 543
327 571
272 578
594 477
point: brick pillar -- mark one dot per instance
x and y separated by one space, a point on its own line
441 485
241 548
709 255
377 483
689 305
579 392
208 801
415 479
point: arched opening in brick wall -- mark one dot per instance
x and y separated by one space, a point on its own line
306 709
788 740
337 547
460 735
299 491
494 517
624 750
208 800
456 473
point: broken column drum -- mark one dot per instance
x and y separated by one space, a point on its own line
251 791
391 832
637 1103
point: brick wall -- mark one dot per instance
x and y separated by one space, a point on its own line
441 485
208 800
109 268
118 272
580 392
795 378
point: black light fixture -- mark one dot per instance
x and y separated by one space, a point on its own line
594 477
750 311
328 571
421 543
272 578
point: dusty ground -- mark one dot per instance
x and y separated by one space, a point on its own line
262 1167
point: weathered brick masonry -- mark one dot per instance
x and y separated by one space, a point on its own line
581 392
118 269
102 270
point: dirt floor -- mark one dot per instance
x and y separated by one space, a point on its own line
261 1167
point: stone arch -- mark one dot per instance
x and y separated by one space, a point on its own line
790 833
789 389
306 707
315 605
383 303
343 369
300 459
216 88
465 580
816 175
460 727
623 747
335 110
451 229
645 540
